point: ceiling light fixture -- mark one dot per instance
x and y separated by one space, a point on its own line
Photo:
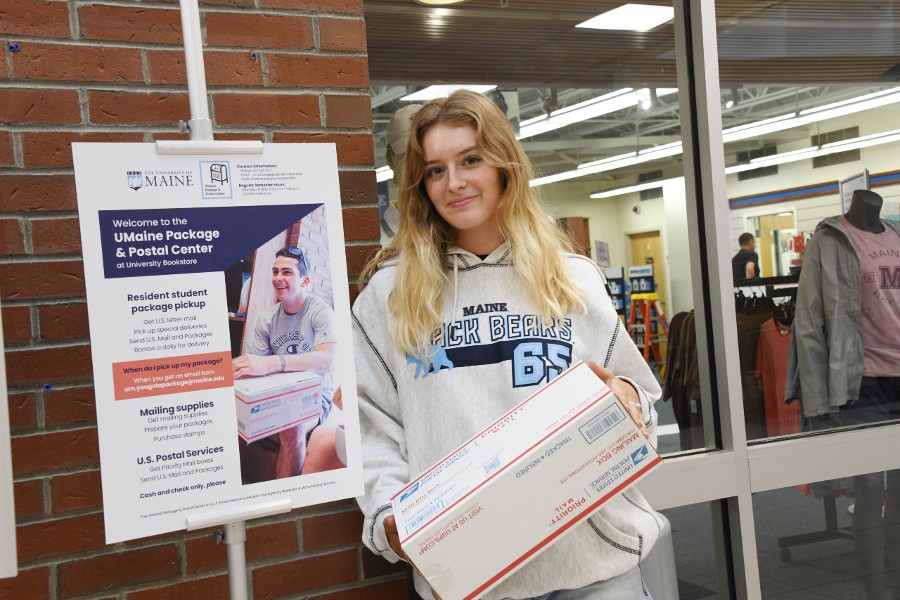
632 158
588 109
650 185
440 2
886 137
441 91
631 17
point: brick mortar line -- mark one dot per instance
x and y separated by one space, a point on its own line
28 243
39 432
74 24
162 128
74 383
219 8
44 345
38 387
51 172
115 43
139 87
44 301
33 216
8 259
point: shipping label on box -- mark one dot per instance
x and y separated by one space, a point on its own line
525 480
273 403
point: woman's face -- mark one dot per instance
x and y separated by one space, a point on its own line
464 189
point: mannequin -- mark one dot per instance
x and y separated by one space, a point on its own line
865 211
847 329
395 139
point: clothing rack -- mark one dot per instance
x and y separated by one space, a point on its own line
786 285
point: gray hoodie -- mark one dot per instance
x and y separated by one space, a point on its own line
413 412
827 322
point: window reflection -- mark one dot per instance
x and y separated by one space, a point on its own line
831 539
598 114
695 549
816 323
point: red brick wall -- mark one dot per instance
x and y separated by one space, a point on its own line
277 71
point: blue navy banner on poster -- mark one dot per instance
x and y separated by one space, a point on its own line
187 240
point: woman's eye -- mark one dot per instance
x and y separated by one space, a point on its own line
434 171
471 160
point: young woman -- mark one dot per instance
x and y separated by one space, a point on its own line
472 307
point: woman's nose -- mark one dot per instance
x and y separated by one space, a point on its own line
457 178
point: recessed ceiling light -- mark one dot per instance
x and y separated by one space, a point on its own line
440 91
439 2
631 17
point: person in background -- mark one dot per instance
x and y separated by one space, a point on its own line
474 245
745 264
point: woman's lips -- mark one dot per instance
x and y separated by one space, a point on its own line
461 202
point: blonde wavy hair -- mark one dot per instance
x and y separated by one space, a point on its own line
422 237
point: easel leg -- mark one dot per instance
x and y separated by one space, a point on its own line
235 536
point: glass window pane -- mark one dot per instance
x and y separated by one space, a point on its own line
831 539
810 110
694 543
597 113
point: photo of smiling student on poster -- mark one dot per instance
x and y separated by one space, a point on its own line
288 353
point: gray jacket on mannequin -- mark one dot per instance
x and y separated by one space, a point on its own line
828 321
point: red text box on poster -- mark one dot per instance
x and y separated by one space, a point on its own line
171 375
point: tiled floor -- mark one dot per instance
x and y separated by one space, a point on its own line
826 570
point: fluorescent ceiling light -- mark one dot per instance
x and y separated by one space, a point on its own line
873 100
864 141
383 174
777 159
877 139
631 17
440 2
589 109
440 91
755 129
632 188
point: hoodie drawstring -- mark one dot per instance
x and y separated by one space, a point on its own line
455 284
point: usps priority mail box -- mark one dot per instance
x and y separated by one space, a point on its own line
272 403
539 470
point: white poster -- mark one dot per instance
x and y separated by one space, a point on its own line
8 559
220 331
851 184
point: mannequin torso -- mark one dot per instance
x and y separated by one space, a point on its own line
864 212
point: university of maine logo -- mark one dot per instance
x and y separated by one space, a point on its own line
135 180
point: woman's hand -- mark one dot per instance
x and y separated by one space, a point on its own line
625 392
393 537
390 528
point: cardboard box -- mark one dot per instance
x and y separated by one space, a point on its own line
539 470
272 403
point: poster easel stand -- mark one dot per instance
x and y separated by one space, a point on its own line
233 521
235 534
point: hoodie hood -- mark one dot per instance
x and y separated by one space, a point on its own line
464 260
459 259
